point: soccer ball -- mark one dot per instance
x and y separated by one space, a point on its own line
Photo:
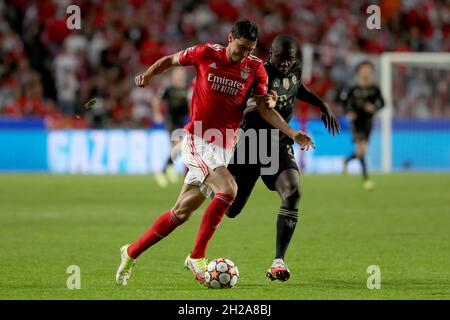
221 273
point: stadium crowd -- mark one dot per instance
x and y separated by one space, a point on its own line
50 71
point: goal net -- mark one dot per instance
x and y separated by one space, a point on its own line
412 131
415 123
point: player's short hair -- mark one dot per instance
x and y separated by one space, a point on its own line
245 29
365 63
284 41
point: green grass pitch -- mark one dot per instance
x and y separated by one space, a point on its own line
48 223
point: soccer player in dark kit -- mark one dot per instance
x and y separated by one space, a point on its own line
361 102
226 77
285 78
176 98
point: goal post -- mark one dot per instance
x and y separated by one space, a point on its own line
387 61
412 131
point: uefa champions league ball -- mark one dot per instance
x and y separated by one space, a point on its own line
221 273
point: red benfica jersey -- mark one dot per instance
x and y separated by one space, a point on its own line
221 91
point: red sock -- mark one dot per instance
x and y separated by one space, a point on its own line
210 221
165 224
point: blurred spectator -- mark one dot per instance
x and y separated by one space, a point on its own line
67 84
42 63
142 100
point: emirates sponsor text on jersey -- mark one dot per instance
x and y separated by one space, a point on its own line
225 85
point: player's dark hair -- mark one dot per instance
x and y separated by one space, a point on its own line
245 29
365 63
284 41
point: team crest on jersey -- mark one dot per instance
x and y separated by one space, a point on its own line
276 83
187 50
286 84
294 79
244 73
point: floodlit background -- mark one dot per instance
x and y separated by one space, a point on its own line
48 72
57 216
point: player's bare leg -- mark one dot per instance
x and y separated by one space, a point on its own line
169 170
360 152
220 180
361 148
287 186
189 199
222 183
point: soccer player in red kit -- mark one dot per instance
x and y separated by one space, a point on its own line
226 77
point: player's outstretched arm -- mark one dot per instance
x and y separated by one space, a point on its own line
158 67
265 105
328 118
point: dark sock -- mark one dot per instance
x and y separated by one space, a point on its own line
168 163
286 222
364 168
350 157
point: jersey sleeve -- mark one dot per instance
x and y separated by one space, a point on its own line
192 55
379 101
304 94
346 99
261 81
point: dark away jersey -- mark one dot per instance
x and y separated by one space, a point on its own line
356 96
177 103
287 87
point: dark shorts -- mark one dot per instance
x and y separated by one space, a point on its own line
246 174
361 130
175 122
